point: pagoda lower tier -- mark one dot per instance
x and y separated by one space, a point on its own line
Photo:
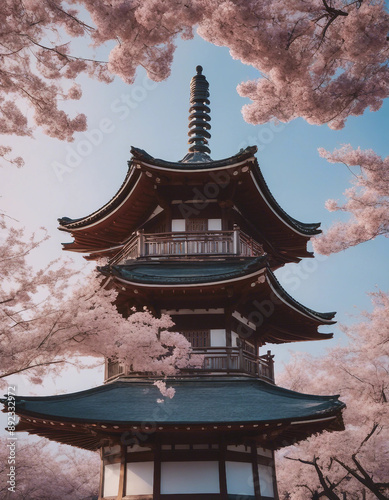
215 439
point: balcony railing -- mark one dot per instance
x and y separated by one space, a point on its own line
189 244
229 360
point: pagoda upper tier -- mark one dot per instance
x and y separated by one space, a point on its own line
156 195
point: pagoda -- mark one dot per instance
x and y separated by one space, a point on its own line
197 239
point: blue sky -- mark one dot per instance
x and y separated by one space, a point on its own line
154 117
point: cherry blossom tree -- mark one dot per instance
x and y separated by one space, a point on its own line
354 461
367 201
44 471
47 320
322 60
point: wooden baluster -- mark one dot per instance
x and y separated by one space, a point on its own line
236 240
241 359
141 243
271 365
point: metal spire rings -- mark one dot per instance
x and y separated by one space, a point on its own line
199 118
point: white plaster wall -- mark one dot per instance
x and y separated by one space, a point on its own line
189 477
239 478
218 338
111 479
234 337
178 225
266 480
214 224
139 478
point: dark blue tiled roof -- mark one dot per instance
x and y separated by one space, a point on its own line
200 162
168 272
196 401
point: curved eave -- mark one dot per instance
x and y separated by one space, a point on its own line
106 229
142 159
186 275
302 228
197 401
325 318
199 404
68 224
135 200
155 275
139 155
132 177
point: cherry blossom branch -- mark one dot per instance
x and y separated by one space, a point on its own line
62 54
31 367
327 485
78 21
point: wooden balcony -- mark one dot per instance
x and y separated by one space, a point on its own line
220 360
188 245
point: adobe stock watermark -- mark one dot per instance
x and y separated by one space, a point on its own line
264 309
210 190
264 136
142 433
296 273
11 439
91 139
220 180
261 310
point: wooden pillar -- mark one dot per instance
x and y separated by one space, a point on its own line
257 486
222 472
122 477
228 316
157 472
271 364
101 485
275 488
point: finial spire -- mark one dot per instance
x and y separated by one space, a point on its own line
199 117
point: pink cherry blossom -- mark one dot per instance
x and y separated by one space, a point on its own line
60 320
319 60
367 201
356 459
49 472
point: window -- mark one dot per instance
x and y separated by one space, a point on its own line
190 478
139 478
198 338
196 225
